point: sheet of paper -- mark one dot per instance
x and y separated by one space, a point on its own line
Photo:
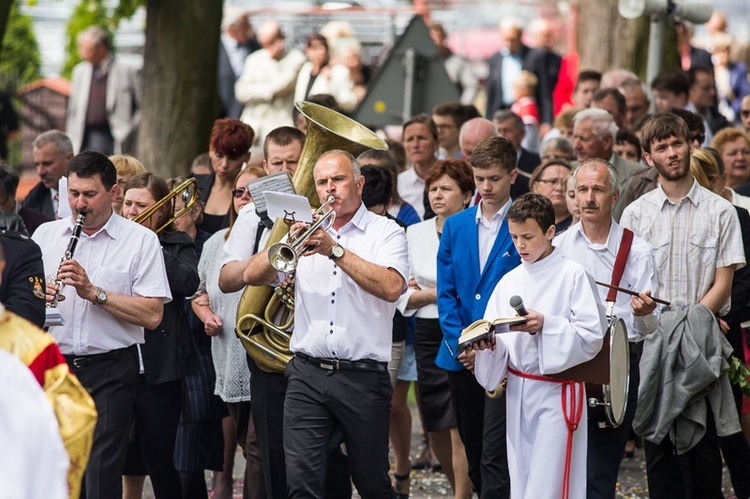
288 207
278 182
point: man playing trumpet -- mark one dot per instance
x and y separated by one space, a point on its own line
116 284
346 284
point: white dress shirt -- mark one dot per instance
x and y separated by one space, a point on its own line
34 462
123 257
239 247
411 190
487 231
423 243
599 261
335 317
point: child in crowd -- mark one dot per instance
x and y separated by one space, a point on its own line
565 327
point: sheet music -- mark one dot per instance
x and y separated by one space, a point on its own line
278 182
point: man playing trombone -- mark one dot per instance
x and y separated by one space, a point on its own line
116 284
346 283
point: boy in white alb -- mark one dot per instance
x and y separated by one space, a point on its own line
546 425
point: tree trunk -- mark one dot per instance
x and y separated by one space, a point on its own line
607 40
5 6
179 83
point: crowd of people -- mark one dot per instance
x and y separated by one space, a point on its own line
644 185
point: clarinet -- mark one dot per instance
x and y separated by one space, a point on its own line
69 252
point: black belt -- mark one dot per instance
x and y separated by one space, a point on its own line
79 361
345 365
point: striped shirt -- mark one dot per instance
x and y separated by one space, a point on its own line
690 239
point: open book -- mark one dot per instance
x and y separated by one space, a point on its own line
484 330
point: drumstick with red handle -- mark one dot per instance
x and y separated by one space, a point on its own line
634 293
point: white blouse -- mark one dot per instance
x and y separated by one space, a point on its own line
423 243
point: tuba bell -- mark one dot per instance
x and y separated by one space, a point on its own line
265 340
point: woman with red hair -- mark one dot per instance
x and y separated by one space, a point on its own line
229 150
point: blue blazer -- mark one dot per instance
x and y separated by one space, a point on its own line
462 291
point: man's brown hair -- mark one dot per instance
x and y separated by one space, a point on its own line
533 206
493 151
662 126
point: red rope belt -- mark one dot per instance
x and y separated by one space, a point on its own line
572 407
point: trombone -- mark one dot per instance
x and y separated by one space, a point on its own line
188 192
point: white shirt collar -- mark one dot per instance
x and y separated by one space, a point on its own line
501 213
612 242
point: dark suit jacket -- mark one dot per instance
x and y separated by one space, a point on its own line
230 108
22 286
39 199
462 290
32 218
494 86
168 347
545 65
740 310
528 161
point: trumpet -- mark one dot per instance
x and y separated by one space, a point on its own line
69 252
188 191
284 256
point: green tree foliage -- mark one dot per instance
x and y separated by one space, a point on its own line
88 13
21 62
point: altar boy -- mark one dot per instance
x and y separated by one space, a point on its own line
546 422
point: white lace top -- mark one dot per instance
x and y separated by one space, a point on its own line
230 362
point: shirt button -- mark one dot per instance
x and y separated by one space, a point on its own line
333 294
338 237
331 331
334 272
333 301
477 296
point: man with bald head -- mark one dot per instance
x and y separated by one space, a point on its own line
594 133
472 133
266 85
505 66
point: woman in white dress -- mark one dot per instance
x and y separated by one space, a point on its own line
218 312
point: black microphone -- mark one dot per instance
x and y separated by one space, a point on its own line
517 303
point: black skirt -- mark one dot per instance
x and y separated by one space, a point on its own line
434 393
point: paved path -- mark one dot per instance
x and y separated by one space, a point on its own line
428 484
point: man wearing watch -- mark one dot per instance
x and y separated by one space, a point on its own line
346 285
115 285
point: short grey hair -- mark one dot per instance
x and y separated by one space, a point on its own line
232 15
592 163
96 35
505 115
562 144
603 123
355 164
61 141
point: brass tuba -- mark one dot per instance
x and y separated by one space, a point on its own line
265 341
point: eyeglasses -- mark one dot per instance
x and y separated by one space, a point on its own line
699 137
238 193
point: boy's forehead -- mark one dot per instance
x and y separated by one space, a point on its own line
527 226
493 169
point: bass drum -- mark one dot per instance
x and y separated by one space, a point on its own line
608 403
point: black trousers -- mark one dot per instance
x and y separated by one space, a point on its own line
269 390
693 475
482 426
112 385
151 448
318 401
606 446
